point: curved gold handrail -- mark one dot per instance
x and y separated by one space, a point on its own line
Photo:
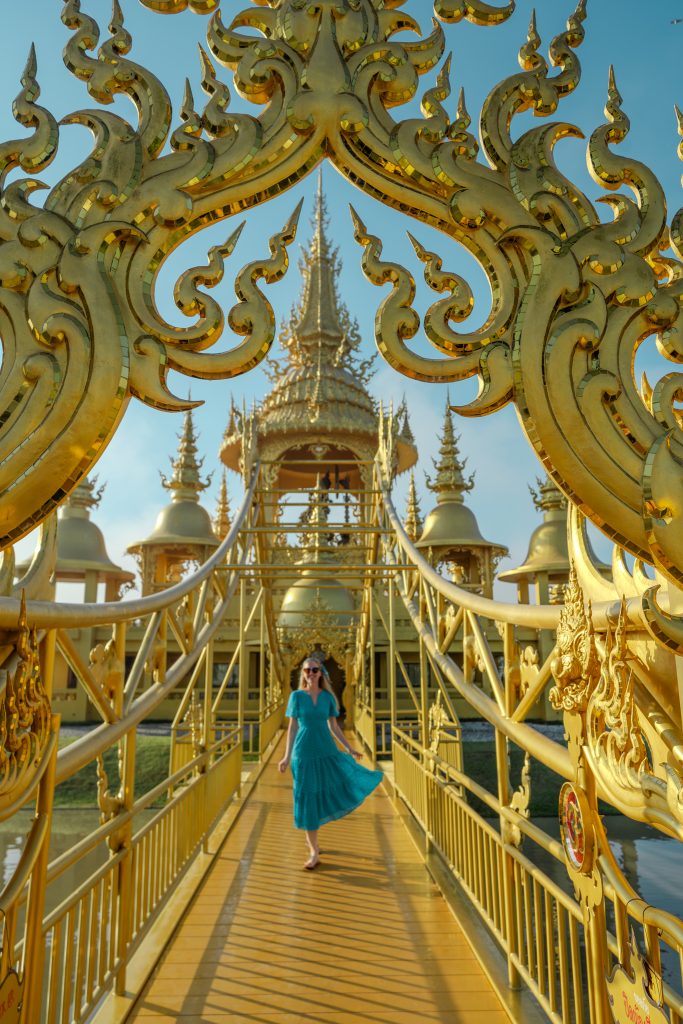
554 755
82 751
536 616
50 615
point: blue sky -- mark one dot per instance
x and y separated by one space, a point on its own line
645 49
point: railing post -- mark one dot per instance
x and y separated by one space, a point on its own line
262 674
34 947
207 737
125 839
391 675
503 773
424 742
242 677
593 907
373 679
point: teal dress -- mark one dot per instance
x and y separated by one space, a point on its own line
327 783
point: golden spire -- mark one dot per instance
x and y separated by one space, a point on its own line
449 484
413 519
317 515
185 482
221 520
82 499
405 432
548 497
319 322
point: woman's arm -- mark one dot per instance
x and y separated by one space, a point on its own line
291 735
335 729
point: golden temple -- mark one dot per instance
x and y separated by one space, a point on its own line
515 732
314 435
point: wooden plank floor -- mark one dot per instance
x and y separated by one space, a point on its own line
366 938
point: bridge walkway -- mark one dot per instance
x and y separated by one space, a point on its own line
366 938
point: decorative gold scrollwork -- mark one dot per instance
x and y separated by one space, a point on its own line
572 298
576 667
438 718
519 803
82 332
25 712
595 687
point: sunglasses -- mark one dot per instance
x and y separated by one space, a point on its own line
313 670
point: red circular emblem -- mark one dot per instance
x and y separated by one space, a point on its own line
573 815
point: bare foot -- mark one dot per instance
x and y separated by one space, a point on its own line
312 861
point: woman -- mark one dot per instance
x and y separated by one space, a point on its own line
327 783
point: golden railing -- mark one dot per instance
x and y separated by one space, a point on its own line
563 934
76 951
536 923
92 935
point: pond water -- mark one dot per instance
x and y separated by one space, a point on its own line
70 826
652 863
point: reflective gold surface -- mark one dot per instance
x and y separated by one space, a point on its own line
571 296
572 300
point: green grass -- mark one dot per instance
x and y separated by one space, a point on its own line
151 767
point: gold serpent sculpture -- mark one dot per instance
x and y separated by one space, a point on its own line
573 297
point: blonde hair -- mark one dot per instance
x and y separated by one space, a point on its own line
325 683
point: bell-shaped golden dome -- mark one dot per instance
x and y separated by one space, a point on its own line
452 526
183 523
316 596
317 601
81 547
548 552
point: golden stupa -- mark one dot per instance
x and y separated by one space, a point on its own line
81 549
319 409
547 565
183 531
451 533
316 433
317 594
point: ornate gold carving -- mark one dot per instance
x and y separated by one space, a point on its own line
192 721
273 688
109 803
106 229
83 333
529 668
106 667
576 829
572 297
612 722
569 294
576 668
519 803
438 719
599 685
298 641
25 712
